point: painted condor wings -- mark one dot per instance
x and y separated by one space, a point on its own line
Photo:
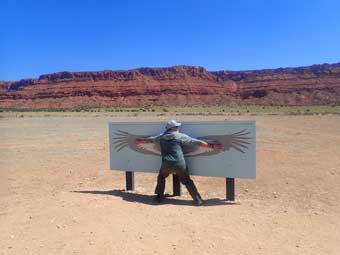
237 141
124 139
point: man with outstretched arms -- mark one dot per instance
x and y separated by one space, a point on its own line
173 161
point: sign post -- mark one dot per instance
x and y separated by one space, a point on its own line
176 185
230 189
130 180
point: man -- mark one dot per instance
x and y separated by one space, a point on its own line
173 161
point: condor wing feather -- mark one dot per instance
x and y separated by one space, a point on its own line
238 141
124 139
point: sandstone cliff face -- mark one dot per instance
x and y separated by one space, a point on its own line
179 85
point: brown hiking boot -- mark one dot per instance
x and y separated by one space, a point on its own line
199 201
159 198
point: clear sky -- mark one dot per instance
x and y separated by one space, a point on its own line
44 36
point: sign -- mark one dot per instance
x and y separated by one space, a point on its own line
237 159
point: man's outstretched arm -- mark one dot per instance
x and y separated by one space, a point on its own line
189 140
150 139
214 146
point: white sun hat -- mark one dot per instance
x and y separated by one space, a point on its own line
172 123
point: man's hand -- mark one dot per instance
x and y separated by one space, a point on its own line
142 141
216 147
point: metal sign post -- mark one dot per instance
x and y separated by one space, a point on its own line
130 180
176 185
230 189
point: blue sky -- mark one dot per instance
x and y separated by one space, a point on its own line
44 36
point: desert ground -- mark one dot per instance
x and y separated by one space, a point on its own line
58 195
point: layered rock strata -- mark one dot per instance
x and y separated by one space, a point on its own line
176 86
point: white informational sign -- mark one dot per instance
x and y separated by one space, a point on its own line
237 159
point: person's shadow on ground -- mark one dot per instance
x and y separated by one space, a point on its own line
148 199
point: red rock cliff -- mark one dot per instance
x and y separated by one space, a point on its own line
179 85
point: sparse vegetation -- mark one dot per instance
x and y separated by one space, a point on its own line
199 110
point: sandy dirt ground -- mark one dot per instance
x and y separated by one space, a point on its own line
58 196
